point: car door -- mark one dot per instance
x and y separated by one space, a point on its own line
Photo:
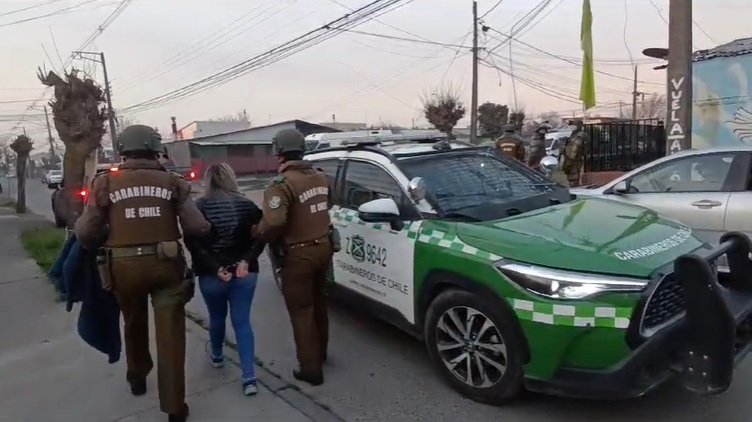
375 261
693 189
738 215
332 168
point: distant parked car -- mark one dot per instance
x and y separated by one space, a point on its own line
53 178
710 190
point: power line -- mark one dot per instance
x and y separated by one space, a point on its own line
498 3
297 45
392 37
13 12
57 12
564 59
100 29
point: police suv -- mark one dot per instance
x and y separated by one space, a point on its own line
513 282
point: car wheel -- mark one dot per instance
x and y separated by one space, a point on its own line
476 345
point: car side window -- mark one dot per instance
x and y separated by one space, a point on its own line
365 182
330 168
702 173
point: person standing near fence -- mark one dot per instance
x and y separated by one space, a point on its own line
574 153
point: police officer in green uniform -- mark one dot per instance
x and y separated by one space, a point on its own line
137 210
296 218
537 147
510 144
574 152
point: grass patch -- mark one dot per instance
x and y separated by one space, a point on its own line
44 245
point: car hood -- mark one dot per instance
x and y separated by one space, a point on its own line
587 234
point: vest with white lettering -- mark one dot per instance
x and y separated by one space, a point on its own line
308 212
142 208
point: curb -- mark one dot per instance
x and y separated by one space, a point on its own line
286 390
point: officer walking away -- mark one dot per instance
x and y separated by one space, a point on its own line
138 207
574 152
537 147
510 144
296 216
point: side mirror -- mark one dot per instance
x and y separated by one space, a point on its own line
621 188
549 164
383 210
417 188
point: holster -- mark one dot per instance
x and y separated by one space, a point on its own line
278 253
170 251
335 239
189 284
105 271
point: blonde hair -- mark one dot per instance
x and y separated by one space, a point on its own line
220 179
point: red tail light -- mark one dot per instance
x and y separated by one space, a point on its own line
83 193
113 169
192 175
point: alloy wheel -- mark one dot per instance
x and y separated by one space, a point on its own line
471 347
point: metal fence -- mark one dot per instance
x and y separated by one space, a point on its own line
624 145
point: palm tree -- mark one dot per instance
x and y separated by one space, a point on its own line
443 109
80 116
22 146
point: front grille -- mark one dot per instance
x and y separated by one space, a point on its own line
666 302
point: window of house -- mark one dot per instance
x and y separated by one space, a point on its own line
701 173
365 182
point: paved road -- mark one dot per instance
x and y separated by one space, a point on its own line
378 374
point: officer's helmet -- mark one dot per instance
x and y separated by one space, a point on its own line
288 140
509 128
139 138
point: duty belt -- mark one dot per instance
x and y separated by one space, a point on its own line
319 241
132 251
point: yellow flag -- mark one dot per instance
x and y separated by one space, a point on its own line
587 88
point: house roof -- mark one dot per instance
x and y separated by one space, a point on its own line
734 48
295 122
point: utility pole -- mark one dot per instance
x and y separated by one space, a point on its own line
635 94
679 77
474 98
49 135
107 90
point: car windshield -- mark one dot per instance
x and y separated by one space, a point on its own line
460 181
55 172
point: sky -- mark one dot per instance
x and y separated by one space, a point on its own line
362 75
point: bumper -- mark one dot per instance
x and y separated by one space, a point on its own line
701 347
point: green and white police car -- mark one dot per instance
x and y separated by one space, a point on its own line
513 282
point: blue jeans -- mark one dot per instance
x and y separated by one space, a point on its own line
238 293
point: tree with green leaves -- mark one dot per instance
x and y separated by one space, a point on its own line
492 118
443 109
22 147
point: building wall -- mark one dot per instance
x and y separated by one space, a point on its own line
180 153
722 106
244 159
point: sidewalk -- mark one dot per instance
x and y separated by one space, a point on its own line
48 373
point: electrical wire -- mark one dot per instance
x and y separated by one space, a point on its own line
55 13
213 40
564 59
308 40
100 29
498 3
13 12
392 37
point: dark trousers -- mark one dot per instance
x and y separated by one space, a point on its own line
135 279
304 288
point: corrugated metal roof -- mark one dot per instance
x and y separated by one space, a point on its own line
229 143
735 48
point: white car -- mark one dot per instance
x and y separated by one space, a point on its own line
710 190
53 178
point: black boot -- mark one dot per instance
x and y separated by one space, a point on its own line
313 379
179 417
138 388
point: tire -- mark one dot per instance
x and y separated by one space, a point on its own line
276 270
500 386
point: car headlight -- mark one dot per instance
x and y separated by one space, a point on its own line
560 284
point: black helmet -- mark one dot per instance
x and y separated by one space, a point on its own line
288 140
509 128
139 138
